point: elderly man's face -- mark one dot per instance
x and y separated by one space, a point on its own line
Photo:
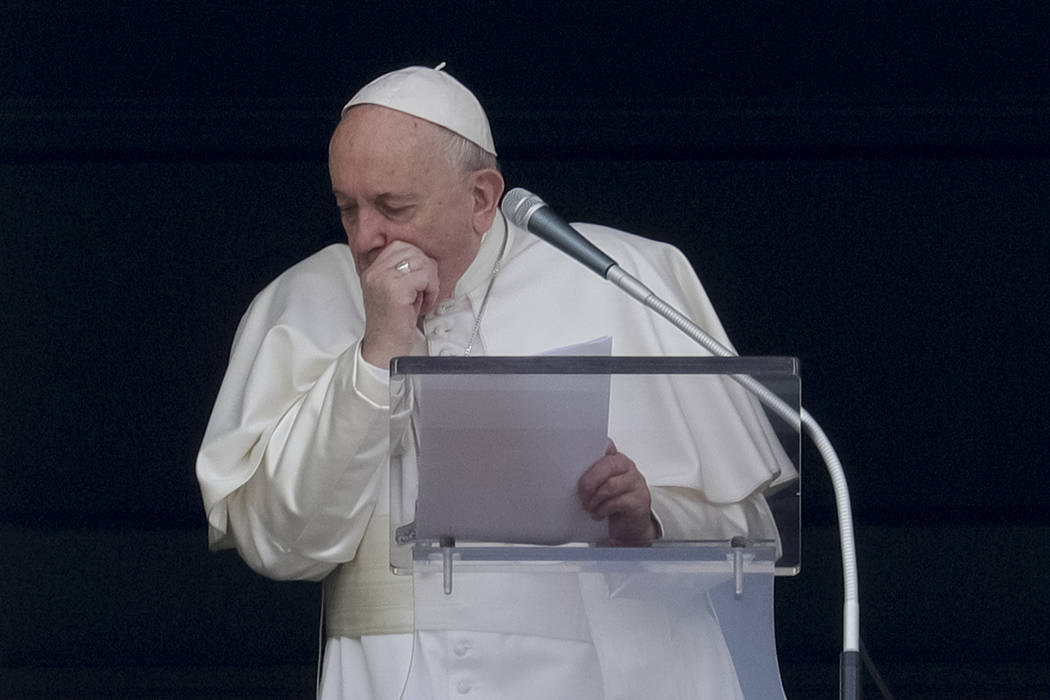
391 182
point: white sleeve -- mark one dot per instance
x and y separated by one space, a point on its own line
684 514
294 457
320 471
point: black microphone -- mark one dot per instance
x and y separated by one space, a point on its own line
528 211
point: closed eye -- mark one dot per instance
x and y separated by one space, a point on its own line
397 212
348 212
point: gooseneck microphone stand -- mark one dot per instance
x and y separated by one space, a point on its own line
530 212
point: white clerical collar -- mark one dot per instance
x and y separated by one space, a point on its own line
480 270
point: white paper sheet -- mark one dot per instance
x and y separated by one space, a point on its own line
500 455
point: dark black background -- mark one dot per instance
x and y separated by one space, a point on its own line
862 185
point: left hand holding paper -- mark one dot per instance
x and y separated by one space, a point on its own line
613 488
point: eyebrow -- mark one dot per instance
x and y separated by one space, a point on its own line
396 198
385 198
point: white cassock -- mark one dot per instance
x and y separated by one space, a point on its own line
294 463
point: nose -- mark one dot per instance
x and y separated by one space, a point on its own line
367 231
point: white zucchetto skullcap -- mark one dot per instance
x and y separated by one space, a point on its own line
433 95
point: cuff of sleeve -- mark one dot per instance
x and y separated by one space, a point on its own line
657 524
370 382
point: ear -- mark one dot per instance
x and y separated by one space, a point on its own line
487 189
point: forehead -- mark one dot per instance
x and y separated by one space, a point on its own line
375 146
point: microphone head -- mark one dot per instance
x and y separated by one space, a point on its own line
519 205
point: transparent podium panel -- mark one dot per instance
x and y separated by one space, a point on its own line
516 587
489 449
682 621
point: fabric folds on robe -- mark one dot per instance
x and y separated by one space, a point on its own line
294 462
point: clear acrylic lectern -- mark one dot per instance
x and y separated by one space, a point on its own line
516 588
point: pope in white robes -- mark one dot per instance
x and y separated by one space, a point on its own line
294 465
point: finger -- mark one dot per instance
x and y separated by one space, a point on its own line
431 289
394 300
408 265
396 250
612 484
616 492
600 472
400 257
628 504
637 530
404 274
